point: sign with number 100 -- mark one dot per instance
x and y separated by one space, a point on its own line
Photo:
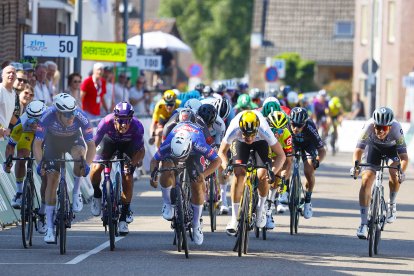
50 45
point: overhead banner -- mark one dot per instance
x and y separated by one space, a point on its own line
104 51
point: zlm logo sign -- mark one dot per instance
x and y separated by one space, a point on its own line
37 46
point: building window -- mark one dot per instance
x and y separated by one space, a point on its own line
364 25
344 29
391 21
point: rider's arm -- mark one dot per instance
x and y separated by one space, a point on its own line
280 157
37 150
357 155
212 167
321 154
404 161
153 164
222 153
90 152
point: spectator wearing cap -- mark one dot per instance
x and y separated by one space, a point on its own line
41 90
74 82
93 90
7 99
139 97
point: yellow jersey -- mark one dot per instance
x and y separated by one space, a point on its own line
23 134
161 115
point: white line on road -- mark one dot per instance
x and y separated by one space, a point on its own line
83 256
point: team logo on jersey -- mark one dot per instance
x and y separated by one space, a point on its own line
210 153
203 162
288 141
187 128
200 147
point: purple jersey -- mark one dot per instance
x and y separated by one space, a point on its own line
319 108
106 126
200 145
49 124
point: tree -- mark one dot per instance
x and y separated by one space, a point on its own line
299 72
218 31
341 89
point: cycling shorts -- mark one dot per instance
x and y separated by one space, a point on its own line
195 165
241 151
372 155
309 151
25 141
107 148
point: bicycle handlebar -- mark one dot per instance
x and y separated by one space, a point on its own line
154 174
398 168
250 166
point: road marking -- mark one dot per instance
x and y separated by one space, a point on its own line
83 256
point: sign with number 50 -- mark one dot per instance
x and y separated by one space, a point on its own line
50 45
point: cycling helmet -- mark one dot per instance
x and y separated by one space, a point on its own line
299 115
207 91
208 113
186 115
123 109
285 90
269 107
220 87
223 107
277 119
169 96
335 102
243 101
292 98
249 123
193 104
35 109
181 144
272 93
254 93
243 86
383 116
271 99
64 102
322 93
199 87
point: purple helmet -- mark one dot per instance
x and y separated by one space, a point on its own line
123 109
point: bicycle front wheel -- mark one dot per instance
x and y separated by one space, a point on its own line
109 212
27 214
62 217
180 225
293 204
212 205
242 231
373 222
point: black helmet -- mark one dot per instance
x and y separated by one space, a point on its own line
299 115
199 87
208 113
207 91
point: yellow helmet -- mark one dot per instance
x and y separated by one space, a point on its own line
335 102
249 123
277 119
169 96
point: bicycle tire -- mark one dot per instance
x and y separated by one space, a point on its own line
264 230
373 223
62 217
181 221
380 226
293 203
109 215
27 215
117 201
212 205
243 223
299 192
248 224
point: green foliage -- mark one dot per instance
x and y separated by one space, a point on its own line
299 72
341 89
218 31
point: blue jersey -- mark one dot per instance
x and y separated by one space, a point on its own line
49 124
184 97
200 145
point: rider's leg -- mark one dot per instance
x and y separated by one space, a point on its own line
167 181
310 179
77 152
368 177
52 179
20 169
237 191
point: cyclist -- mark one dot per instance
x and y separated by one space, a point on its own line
122 132
335 112
278 122
381 135
244 103
185 142
250 130
292 99
22 135
305 136
320 108
193 104
58 129
162 112
207 92
256 96
272 104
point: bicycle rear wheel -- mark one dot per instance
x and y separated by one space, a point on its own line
117 201
62 217
27 214
109 212
373 222
212 205
180 226
293 204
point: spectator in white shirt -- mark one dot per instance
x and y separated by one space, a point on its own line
138 97
42 92
52 77
7 99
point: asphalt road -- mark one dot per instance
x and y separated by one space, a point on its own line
325 245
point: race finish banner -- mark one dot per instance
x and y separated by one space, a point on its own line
104 51
36 45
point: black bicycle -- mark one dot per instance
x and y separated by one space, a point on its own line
378 208
30 201
212 199
180 199
111 197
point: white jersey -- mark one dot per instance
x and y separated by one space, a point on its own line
264 133
217 130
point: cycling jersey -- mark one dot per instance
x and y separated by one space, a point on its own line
217 130
106 126
49 124
308 137
184 97
335 111
395 137
284 138
161 115
23 133
264 133
319 109
200 145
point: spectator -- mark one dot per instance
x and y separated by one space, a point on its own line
25 97
93 90
168 73
74 81
41 90
52 77
121 89
18 86
139 97
358 110
7 99
110 86
20 82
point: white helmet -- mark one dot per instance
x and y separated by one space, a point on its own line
193 104
64 102
223 107
292 98
322 93
181 144
35 109
271 99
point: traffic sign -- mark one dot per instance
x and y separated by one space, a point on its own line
280 64
195 70
365 66
104 51
50 45
271 74
149 63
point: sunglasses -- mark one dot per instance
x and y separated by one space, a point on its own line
68 115
170 105
382 128
22 80
29 93
123 121
297 125
76 81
